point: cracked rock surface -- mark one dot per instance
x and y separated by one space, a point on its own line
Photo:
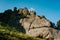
38 26
29 23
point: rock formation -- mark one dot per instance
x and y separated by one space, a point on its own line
32 24
36 25
23 11
32 13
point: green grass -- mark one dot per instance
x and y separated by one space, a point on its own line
12 33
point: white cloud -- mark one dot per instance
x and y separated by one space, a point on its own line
31 9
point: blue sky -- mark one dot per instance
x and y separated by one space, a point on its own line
48 8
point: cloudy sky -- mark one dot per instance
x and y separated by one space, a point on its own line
48 8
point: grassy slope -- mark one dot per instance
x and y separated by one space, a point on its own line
11 33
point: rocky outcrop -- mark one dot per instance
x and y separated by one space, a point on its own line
23 11
36 25
30 23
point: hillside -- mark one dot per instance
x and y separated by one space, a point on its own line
22 24
10 30
8 33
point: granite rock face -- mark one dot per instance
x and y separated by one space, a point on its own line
30 23
36 25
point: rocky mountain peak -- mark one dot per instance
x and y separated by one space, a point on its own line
28 22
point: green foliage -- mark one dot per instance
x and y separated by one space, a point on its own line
58 23
11 33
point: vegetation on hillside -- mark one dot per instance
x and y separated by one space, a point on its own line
11 33
10 28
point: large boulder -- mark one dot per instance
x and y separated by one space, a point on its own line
40 22
36 26
35 22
